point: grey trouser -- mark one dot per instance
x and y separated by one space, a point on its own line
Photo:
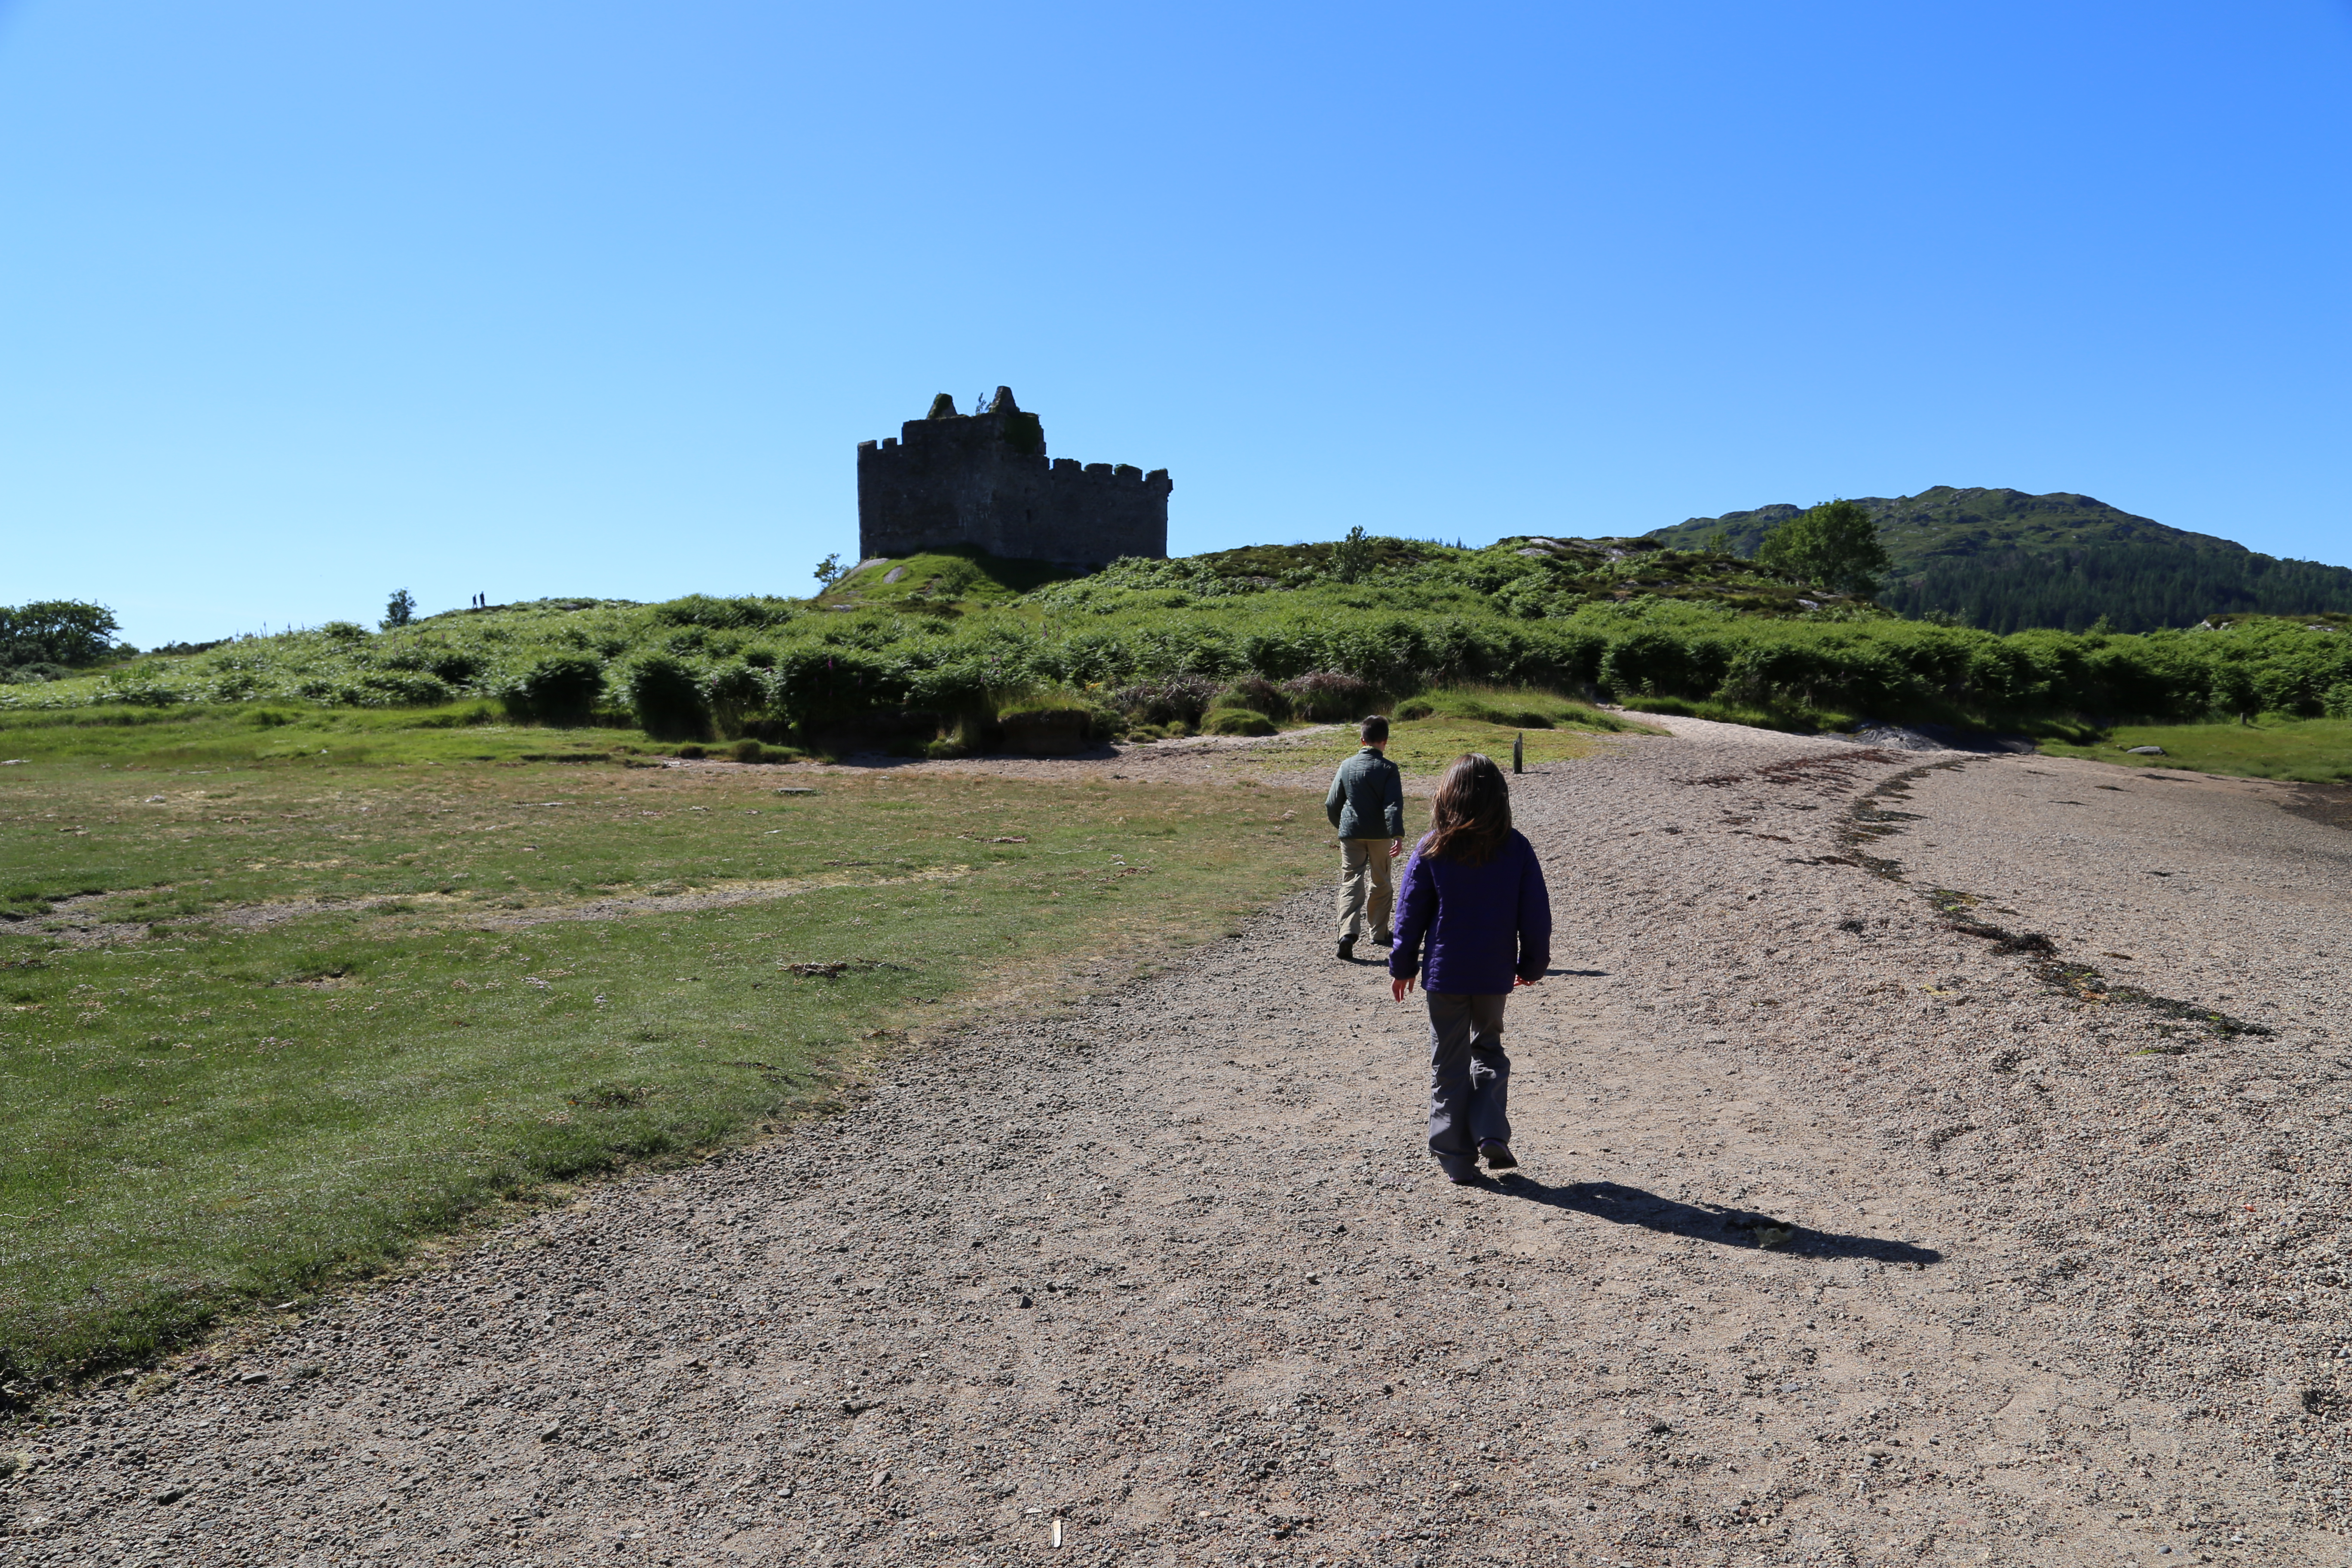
1363 861
1469 1077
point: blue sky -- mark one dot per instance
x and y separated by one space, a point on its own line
302 304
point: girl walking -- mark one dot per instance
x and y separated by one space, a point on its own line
1474 890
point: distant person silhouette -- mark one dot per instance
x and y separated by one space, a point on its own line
1476 891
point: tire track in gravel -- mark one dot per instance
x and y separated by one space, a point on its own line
1171 1271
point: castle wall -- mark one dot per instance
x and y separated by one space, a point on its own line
984 480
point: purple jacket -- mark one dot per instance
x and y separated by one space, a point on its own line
1484 923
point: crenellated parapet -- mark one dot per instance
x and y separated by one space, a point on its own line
984 480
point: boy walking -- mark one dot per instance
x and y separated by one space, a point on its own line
1365 805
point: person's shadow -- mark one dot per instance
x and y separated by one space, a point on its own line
1622 1204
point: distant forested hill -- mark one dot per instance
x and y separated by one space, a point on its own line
2007 560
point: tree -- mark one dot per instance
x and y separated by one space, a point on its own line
401 610
828 571
1836 545
1351 557
56 631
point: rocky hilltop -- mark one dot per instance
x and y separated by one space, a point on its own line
2007 560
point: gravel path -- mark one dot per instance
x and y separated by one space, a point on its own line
1854 1227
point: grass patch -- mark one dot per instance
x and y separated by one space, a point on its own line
263 732
1428 732
2306 750
942 577
217 1112
1514 707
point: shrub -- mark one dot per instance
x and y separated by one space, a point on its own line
1238 722
956 579
1061 706
561 689
967 736
704 610
1179 700
1330 696
1036 716
451 666
1502 713
1351 557
2338 702
692 753
141 685
344 632
1257 693
666 699
732 694
398 688
1648 663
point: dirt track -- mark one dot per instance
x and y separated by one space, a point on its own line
1173 1270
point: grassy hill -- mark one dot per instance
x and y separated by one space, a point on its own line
2007 560
960 652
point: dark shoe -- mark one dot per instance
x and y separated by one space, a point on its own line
1464 1178
1384 939
1347 947
1498 1155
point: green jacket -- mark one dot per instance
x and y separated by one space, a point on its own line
1367 798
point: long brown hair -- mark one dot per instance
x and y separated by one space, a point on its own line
1471 818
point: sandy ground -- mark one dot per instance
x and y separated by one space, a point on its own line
1849 1231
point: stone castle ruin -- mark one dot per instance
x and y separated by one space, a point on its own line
983 480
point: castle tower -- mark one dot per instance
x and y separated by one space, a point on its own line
983 480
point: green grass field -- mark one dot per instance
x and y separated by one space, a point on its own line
265 1020
2304 751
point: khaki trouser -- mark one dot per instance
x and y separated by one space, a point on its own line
1364 887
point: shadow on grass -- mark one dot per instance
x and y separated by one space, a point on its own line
1622 1204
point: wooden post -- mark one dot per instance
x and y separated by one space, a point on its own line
1520 753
